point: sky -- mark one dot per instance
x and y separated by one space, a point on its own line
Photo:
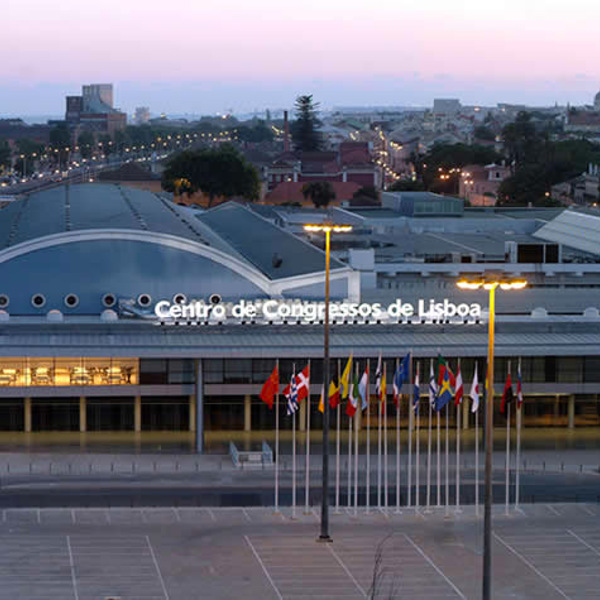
201 56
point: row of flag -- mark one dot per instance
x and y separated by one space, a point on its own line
444 388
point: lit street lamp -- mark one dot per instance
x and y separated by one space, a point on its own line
327 228
489 285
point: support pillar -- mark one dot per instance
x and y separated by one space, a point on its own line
82 414
199 408
247 413
556 409
571 412
192 405
466 410
302 417
137 414
27 408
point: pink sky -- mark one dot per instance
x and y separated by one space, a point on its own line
468 47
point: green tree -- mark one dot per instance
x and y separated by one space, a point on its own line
217 172
86 143
60 136
522 141
107 144
5 155
304 129
30 147
481 132
321 193
256 133
406 185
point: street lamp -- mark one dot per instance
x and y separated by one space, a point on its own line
490 285
327 228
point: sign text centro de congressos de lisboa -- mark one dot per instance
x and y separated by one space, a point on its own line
279 310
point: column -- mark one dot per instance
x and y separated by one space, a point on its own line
247 412
199 408
82 414
466 408
27 408
192 401
302 416
137 414
571 412
556 409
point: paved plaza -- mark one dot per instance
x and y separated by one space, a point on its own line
543 551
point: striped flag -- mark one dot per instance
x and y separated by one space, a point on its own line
353 398
292 397
378 376
458 394
363 385
474 393
433 388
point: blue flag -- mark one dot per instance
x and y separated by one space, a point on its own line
401 374
445 392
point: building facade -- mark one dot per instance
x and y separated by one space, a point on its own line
122 312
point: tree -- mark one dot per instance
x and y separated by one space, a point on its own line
86 143
406 185
367 191
60 136
481 132
217 172
256 133
321 193
5 155
304 129
521 140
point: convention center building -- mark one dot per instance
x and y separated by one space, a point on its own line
121 311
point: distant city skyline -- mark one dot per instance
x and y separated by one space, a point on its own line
196 58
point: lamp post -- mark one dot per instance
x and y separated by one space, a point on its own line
327 228
489 285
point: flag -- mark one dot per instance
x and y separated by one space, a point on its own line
416 391
334 397
445 392
474 393
400 376
353 398
378 376
321 405
270 388
383 387
458 394
302 385
362 388
292 397
519 389
507 394
433 388
443 366
345 379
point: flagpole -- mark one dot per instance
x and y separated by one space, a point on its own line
507 459
379 415
337 450
398 440
356 417
368 482
293 450
350 425
385 441
439 460
417 462
458 410
307 468
477 462
519 417
277 444
409 467
447 475
431 399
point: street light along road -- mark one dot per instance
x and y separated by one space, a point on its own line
327 228
489 284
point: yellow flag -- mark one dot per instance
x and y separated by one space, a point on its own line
345 379
321 404
334 397
383 387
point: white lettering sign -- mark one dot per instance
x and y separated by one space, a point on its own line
310 312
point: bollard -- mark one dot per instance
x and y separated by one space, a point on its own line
544 465
562 466
112 467
90 467
69 468
154 463
196 466
50 468
30 467
132 466
176 465
581 468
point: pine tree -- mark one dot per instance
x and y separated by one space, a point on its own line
304 129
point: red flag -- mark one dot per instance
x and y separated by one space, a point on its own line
334 395
302 384
458 394
507 394
270 388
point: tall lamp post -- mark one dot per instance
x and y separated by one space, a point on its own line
327 228
490 285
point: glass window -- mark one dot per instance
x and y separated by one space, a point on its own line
212 370
181 370
153 371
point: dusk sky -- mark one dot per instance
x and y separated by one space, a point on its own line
198 56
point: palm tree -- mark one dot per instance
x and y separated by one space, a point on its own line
321 193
